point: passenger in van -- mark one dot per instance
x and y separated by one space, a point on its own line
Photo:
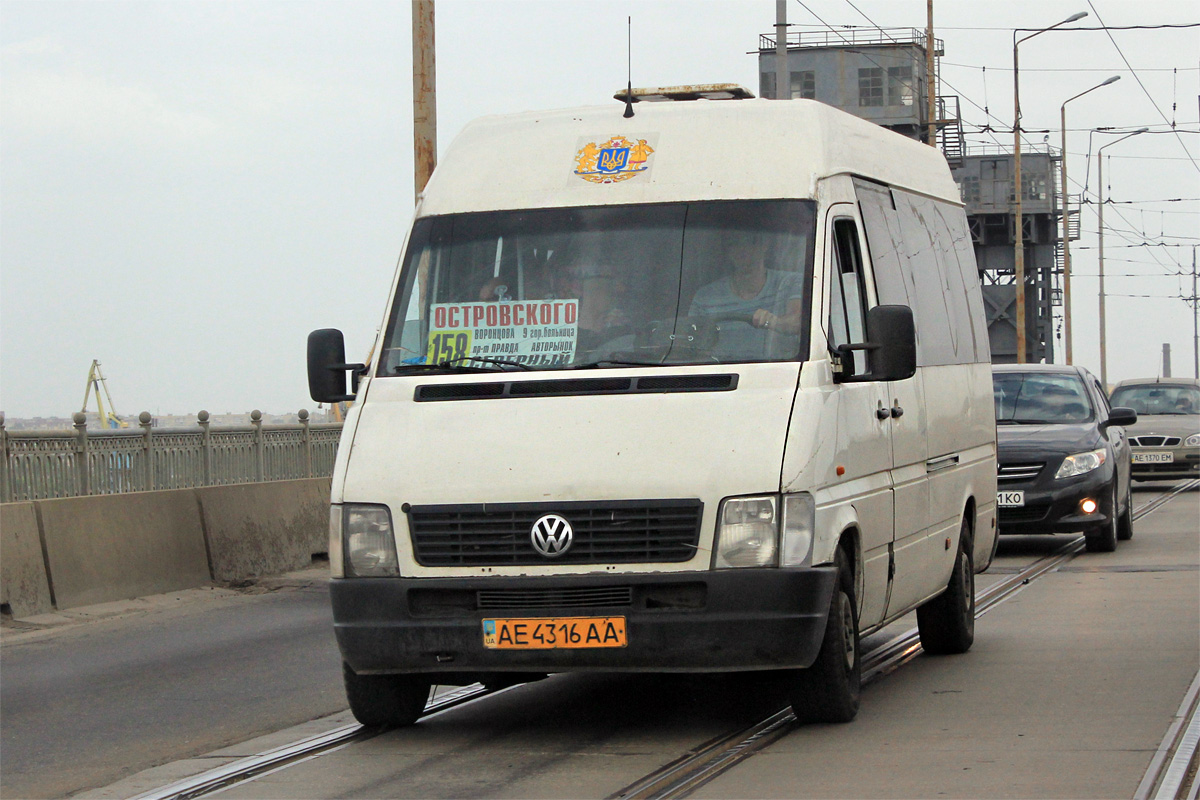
767 300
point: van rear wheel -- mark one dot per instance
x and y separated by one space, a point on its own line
828 691
946 623
385 701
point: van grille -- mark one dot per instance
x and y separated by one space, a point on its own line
583 597
633 532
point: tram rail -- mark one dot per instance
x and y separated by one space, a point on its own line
1171 774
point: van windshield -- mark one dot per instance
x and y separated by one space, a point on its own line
678 283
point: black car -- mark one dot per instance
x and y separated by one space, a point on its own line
1063 459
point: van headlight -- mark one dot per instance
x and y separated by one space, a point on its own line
747 532
1193 440
366 544
799 522
1080 464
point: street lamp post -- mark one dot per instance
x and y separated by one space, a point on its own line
1100 193
1019 247
1066 234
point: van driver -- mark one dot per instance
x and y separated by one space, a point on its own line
768 300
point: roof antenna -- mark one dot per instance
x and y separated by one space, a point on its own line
628 68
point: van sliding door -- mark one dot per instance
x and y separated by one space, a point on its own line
892 262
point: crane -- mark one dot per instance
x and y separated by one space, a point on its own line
95 380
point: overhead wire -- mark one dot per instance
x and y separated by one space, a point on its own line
1139 82
1124 235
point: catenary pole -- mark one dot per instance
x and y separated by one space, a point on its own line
1103 320
424 94
1066 227
930 77
1019 233
783 86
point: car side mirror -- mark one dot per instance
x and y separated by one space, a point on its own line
327 367
1121 417
892 345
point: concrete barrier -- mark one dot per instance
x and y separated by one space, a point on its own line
116 547
257 529
23 584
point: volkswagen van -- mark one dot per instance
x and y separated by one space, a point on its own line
702 389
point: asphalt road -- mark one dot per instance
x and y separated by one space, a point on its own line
1053 700
88 705
1068 691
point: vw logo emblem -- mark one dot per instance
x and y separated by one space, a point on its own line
551 535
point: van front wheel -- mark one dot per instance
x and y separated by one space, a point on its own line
947 622
385 701
828 691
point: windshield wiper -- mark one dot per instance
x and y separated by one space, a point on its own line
609 362
454 364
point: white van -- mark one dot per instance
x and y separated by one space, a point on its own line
704 389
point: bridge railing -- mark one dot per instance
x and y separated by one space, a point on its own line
41 465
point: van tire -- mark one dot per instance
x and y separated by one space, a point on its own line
946 623
385 701
828 691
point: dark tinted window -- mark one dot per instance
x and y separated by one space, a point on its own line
1032 398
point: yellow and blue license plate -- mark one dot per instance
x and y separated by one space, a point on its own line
553 633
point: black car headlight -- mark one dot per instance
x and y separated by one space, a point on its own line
1081 463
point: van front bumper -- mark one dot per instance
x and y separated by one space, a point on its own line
726 620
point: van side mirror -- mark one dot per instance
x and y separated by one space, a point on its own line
327 367
1119 416
892 344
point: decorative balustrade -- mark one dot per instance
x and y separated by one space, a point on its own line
39 465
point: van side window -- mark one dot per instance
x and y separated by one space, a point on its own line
847 315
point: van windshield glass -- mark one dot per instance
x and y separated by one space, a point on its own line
679 283
1024 398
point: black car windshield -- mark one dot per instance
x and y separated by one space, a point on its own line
1033 398
1156 398
678 283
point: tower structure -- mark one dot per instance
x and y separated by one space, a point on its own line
880 75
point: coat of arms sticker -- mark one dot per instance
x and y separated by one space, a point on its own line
614 159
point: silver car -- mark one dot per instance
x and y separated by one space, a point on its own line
1167 443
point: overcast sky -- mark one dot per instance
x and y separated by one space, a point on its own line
188 188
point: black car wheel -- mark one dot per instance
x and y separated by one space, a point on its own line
1125 522
1104 538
